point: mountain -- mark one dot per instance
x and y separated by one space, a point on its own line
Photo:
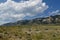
47 20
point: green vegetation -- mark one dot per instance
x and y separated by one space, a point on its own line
30 32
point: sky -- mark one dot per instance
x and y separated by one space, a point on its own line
14 10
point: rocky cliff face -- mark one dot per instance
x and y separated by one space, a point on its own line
48 20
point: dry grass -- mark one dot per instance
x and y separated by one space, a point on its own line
30 32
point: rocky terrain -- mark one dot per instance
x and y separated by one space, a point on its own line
46 20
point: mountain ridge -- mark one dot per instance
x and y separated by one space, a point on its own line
47 20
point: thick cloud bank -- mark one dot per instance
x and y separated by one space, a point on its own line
13 11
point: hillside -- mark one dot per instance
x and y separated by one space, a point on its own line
47 28
47 20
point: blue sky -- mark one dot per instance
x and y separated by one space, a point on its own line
53 4
14 10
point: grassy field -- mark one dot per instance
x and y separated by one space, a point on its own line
30 32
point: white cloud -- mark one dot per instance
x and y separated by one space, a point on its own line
13 11
56 12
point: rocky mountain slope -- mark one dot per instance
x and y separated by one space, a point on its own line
47 20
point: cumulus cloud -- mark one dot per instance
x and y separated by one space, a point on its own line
13 11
